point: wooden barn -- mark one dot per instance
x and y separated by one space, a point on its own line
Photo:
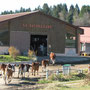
39 32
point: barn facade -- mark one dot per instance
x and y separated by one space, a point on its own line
31 30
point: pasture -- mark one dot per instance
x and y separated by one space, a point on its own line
33 82
8 58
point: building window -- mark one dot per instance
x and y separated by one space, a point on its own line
70 40
4 38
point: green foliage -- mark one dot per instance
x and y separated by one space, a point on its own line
85 9
43 81
71 77
46 9
87 79
85 71
8 58
13 52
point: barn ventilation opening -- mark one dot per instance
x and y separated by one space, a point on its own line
38 44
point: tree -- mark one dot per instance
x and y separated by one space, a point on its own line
46 9
70 14
64 12
28 10
76 13
22 9
38 8
84 9
55 12
76 10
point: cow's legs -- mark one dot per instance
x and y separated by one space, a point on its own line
37 72
18 73
34 72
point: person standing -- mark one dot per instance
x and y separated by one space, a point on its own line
42 49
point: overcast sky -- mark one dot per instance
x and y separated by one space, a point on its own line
16 4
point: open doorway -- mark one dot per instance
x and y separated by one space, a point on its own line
38 43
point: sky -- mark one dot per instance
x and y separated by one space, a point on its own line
16 4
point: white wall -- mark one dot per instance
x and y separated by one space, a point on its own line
3 49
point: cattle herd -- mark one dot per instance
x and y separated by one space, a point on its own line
9 69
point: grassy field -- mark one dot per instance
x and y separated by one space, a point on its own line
72 85
7 58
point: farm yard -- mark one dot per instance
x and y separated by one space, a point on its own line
39 82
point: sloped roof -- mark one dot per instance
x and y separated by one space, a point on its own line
12 16
8 17
85 38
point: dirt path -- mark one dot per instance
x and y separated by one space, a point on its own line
31 82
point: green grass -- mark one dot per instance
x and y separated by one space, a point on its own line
75 88
77 85
44 81
7 58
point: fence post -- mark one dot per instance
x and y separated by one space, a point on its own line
57 72
47 74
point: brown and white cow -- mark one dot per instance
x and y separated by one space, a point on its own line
23 68
6 73
44 64
2 68
52 57
35 67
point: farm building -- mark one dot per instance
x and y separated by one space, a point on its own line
39 32
85 40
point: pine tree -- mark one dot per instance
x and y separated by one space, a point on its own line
46 9
64 12
70 14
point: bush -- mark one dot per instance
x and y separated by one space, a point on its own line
13 52
30 53
62 77
87 79
59 77
85 71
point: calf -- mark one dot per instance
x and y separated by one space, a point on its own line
52 57
12 66
23 68
44 64
6 73
35 67
2 68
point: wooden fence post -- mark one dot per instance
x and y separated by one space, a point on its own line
47 74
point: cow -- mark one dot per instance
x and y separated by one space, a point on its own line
23 68
2 68
35 67
6 72
12 66
52 57
44 64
